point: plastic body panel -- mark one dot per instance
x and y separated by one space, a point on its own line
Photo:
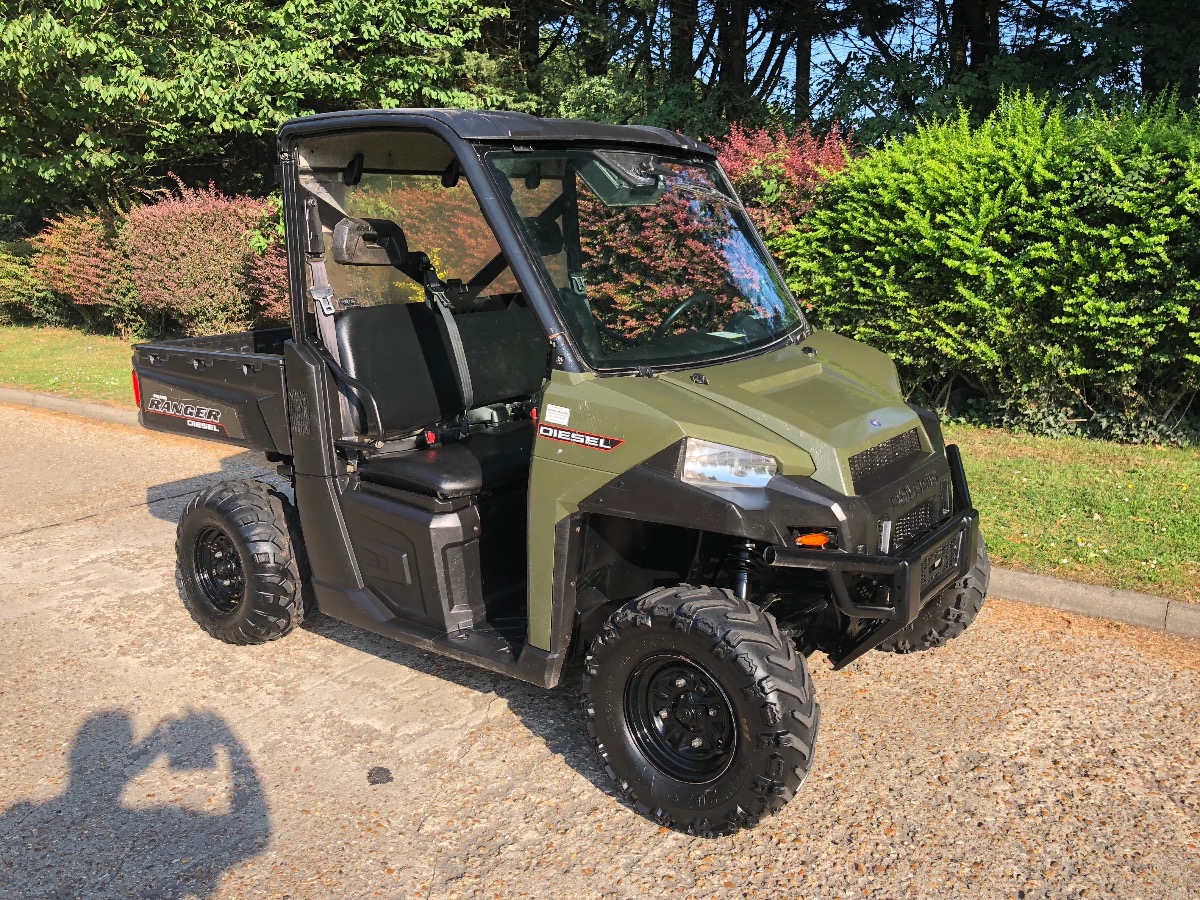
424 565
229 388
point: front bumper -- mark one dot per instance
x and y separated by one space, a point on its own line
903 583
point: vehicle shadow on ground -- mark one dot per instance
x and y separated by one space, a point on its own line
166 501
104 837
554 716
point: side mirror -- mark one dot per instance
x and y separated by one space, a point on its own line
369 242
451 175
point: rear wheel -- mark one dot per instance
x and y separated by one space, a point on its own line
241 564
949 614
701 710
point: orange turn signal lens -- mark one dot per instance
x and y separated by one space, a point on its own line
818 540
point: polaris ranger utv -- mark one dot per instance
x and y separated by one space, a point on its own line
545 392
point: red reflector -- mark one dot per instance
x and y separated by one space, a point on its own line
533 413
137 390
430 437
816 539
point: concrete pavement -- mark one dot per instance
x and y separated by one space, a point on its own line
1042 754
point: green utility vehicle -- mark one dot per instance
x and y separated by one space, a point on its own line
545 393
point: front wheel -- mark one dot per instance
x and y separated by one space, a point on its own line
701 710
948 614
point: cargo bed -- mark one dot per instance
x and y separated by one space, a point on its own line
227 388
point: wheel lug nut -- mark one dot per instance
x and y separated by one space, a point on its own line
680 682
663 714
697 743
712 710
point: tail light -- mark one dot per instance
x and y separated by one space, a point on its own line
137 390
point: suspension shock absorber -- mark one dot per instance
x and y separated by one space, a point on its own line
741 560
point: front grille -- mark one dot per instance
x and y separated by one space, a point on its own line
940 562
894 449
914 523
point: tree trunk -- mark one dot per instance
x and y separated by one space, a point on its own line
804 41
731 56
1170 39
974 34
685 19
494 37
594 25
527 22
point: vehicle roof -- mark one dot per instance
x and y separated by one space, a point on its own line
485 125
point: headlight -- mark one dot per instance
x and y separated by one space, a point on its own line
706 464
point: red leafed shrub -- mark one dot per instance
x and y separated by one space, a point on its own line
269 281
648 260
190 258
777 174
268 272
76 258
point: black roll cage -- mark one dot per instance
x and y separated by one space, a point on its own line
467 134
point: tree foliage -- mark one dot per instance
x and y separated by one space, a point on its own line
99 99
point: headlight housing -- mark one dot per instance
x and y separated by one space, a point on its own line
706 464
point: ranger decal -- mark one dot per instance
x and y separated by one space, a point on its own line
581 438
204 417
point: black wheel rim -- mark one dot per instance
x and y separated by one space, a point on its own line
681 718
219 570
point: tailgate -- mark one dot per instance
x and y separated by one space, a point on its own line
233 397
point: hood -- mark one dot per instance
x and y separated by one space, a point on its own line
831 397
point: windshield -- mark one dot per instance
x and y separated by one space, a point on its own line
654 261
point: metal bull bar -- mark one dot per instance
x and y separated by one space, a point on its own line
911 578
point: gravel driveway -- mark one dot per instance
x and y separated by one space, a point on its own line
1040 755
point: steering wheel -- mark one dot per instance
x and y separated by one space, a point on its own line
694 300
611 332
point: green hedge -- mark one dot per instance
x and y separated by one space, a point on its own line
1041 269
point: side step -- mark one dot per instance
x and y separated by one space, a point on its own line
495 649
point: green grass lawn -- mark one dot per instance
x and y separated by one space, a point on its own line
1084 510
1088 510
66 362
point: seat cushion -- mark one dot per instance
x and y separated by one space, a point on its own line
485 461
506 351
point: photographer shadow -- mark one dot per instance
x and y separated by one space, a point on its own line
89 841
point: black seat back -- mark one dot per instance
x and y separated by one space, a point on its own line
506 351
403 354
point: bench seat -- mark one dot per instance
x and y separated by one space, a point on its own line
484 462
